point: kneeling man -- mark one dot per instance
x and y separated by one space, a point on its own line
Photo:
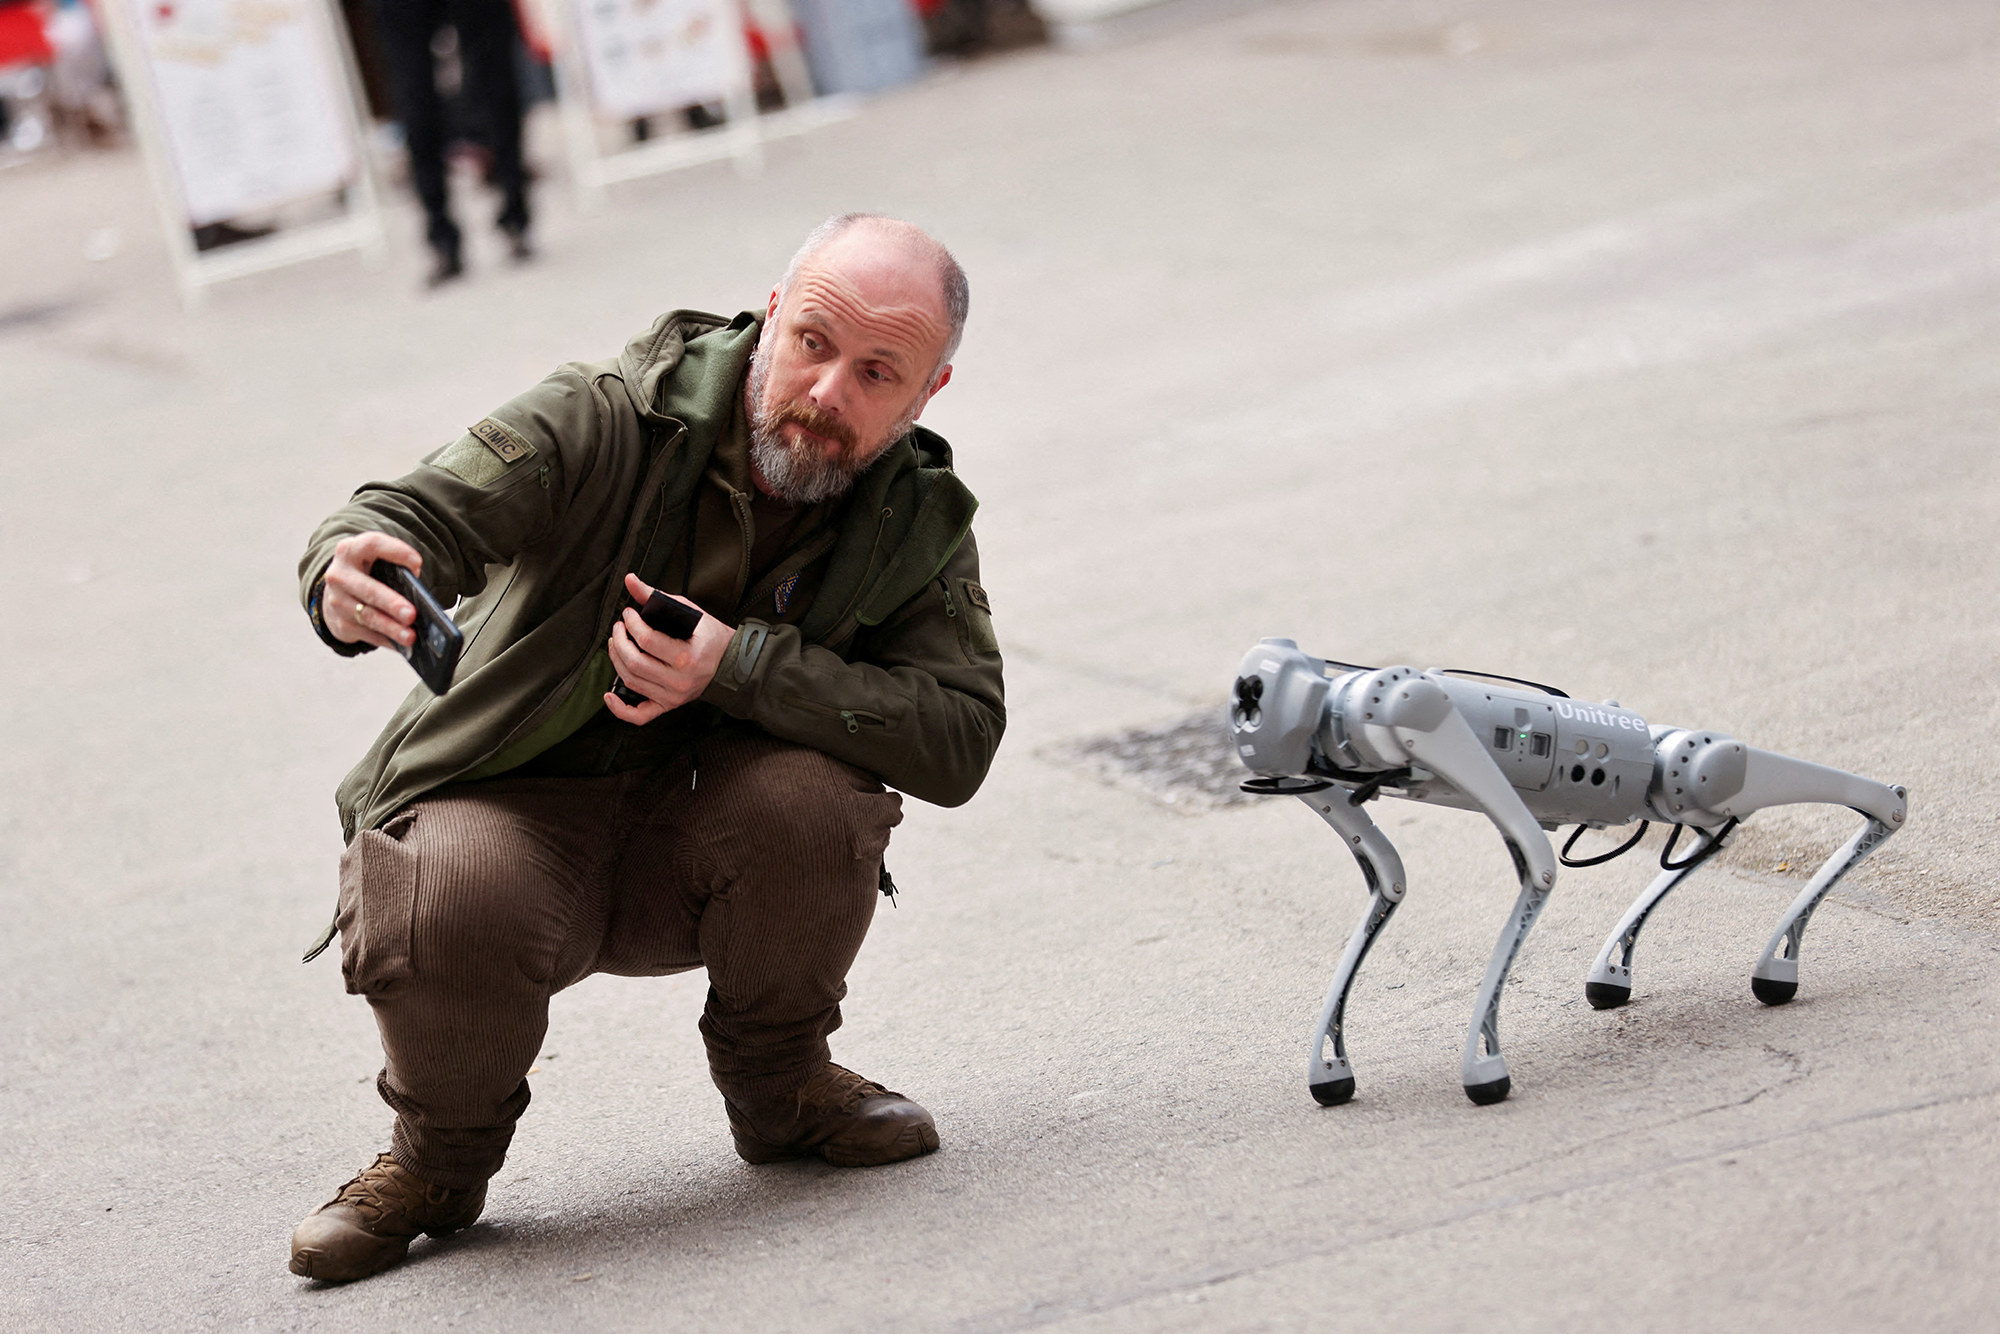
530 827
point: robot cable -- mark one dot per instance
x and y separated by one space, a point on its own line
1709 848
1700 854
1618 851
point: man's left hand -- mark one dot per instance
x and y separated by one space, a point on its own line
667 671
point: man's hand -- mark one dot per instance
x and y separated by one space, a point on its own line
357 607
667 671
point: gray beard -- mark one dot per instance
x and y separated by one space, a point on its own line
800 475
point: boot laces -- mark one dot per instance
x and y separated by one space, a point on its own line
384 1188
837 1086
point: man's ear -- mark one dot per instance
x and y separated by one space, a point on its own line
771 306
943 379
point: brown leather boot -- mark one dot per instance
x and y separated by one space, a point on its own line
369 1225
836 1115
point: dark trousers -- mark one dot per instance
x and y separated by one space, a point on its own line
486 35
462 915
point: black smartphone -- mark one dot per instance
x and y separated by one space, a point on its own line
669 617
439 641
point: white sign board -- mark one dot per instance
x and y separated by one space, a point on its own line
646 57
253 99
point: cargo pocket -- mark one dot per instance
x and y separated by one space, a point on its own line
378 895
877 812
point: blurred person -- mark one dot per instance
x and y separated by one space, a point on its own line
80 86
486 34
529 827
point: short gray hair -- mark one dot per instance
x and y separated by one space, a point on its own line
952 285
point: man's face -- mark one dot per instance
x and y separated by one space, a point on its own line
847 361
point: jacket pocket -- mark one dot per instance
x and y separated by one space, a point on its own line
378 896
966 603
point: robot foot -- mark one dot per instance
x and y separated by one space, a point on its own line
1772 991
1606 995
1492 1091
1334 1092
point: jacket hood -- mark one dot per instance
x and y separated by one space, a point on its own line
656 354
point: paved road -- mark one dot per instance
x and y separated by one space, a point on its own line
1649 353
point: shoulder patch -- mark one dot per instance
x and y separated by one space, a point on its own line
484 454
977 597
507 444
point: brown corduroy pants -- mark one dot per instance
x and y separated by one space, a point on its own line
464 913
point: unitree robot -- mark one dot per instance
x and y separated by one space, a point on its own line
1530 759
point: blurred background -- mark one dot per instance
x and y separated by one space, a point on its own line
1647 351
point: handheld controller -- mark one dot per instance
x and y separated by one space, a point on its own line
438 641
669 617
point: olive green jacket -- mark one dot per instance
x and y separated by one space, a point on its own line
534 516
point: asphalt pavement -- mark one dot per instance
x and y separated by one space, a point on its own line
1649 351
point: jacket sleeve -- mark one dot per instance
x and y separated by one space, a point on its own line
480 500
917 700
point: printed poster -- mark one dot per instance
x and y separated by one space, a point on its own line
645 57
254 100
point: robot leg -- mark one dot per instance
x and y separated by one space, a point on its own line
1745 780
1329 1077
1610 982
1775 979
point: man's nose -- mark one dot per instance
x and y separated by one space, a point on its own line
829 390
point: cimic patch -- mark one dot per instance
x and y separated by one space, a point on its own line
977 597
509 447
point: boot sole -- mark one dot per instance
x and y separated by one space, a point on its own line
913 1142
324 1268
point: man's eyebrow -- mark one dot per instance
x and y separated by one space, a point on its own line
810 312
807 315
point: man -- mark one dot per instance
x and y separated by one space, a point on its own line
529 827
487 36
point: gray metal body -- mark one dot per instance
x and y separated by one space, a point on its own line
1529 760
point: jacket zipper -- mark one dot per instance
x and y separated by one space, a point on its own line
853 719
881 523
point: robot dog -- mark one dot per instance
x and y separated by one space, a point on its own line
1530 759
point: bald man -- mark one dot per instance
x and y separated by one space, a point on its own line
531 826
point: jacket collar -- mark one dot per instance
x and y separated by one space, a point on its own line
686 367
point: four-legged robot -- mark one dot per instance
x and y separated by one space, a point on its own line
1333 735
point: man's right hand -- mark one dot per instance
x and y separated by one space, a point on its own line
360 609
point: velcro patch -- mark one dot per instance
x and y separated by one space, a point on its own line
506 444
977 597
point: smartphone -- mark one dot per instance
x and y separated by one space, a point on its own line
434 653
669 617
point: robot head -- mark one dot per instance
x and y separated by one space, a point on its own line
1275 708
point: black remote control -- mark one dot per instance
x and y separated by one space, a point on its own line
669 617
438 642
